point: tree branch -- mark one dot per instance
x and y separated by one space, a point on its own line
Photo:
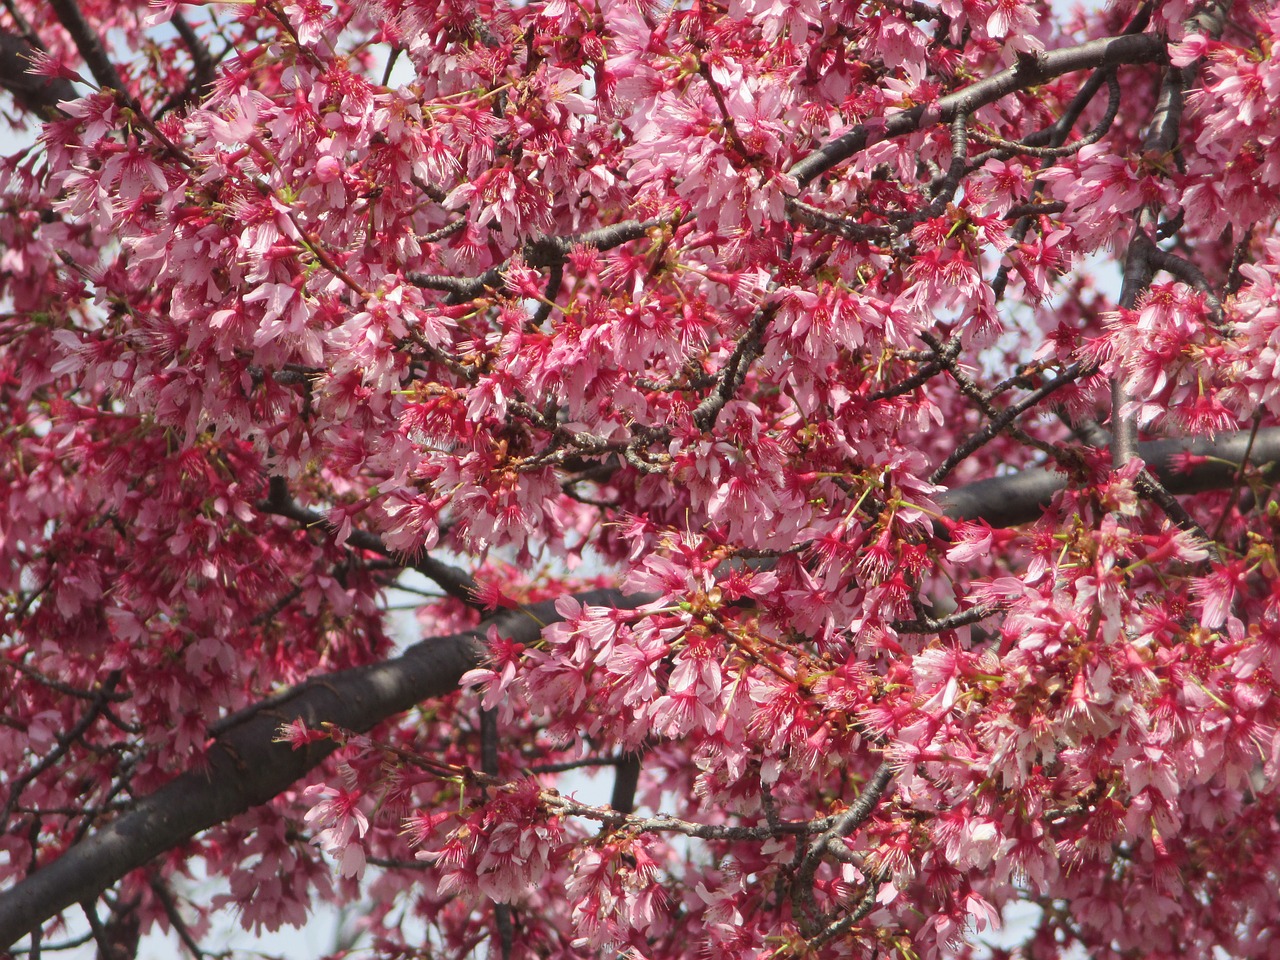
453 581
542 252
1019 498
1107 52
88 43
203 67
246 767
38 94
993 427
735 369
843 826
626 779
1141 263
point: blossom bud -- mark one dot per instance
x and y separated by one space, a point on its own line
328 169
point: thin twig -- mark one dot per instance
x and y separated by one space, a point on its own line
925 625
457 583
843 826
994 427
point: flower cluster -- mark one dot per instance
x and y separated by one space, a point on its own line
728 388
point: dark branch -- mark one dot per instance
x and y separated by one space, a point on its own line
1141 263
843 826
38 94
1008 148
626 779
203 66
88 43
925 625
457 583
996 425
1186 271
246 767
1107 52
1008 501
542 252
65 743
735 370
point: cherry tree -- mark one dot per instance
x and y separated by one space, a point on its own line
737 389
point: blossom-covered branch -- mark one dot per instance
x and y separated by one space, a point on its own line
1029 70
547 251
246 765
457 583
1182 467
892 571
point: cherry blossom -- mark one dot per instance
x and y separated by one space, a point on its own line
827 450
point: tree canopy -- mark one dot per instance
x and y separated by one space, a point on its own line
846 426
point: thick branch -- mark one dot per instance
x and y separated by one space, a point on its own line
38 94
246 767
626 780
1107 52
1140 267
1019 498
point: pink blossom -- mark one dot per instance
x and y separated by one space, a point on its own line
685 442
337 813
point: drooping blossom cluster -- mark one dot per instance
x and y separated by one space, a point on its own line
692 356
